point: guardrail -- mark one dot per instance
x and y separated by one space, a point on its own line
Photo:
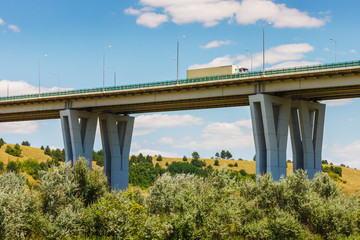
186 81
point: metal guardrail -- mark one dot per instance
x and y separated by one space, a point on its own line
186 81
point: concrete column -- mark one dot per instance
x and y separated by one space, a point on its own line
116 134
270 120
78 130
306 128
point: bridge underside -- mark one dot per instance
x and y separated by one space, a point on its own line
316 94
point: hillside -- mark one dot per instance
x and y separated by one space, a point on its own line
352 176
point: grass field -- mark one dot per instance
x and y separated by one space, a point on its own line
352 176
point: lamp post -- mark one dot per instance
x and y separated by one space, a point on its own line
263 50
108 46
251 59
45 55
177 61
332 39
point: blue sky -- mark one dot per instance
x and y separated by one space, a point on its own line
143 36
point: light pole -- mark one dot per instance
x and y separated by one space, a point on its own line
251 59
332 39
177 61
45 55
58 75
263 50
108 46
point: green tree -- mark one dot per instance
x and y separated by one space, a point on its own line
13 166
185 158
47 151
217 155
25 143
195 155
228 155
216 163
159 158
2 142
223 154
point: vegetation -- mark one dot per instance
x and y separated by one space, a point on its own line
335 173
2 142
75 203
98 157
25 143
14 151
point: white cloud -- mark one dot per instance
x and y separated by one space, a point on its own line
21 87
288 55
24 128
211 12
215 44
2 22
326 49
291 64
353 51
151 20
221 135
132 11
346 154
278 14
339 102
146 124
152 152
14 28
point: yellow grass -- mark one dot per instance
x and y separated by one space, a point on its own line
26 153
352 176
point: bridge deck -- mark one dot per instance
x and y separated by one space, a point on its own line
320 82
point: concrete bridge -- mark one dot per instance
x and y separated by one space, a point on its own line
278 99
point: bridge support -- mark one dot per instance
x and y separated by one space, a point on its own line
270 120
306 128
78 130
116 134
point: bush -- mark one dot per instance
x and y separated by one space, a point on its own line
13 167
185 159
216 163
16 151
25 143
2 142
159 158
198 163
185 167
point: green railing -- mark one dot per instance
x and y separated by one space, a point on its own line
189 80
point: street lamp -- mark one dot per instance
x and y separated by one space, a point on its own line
45 55
332 39
264 49
251 59
58 75
108 46
177 61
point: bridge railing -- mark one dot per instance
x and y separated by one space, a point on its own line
189 80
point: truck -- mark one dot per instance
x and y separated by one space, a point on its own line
214 71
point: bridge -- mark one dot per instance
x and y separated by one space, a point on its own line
277 98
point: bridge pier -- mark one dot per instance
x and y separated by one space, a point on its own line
271 116
270 119
116 135
306 129
78 130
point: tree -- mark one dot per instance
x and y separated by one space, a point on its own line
185 158
236 164
195 155
228 155
217 155
223 154
216 163
2 142
25 143
159 158
198 163
13 167
47 151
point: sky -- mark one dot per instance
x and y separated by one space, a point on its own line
67 39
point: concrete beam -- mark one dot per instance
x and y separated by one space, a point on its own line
306 129
78 130
116 135
270 121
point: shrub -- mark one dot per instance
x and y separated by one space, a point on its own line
185 159
159 158
236 164
25 143
16 151
13 166
216 163
2 142
198 163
